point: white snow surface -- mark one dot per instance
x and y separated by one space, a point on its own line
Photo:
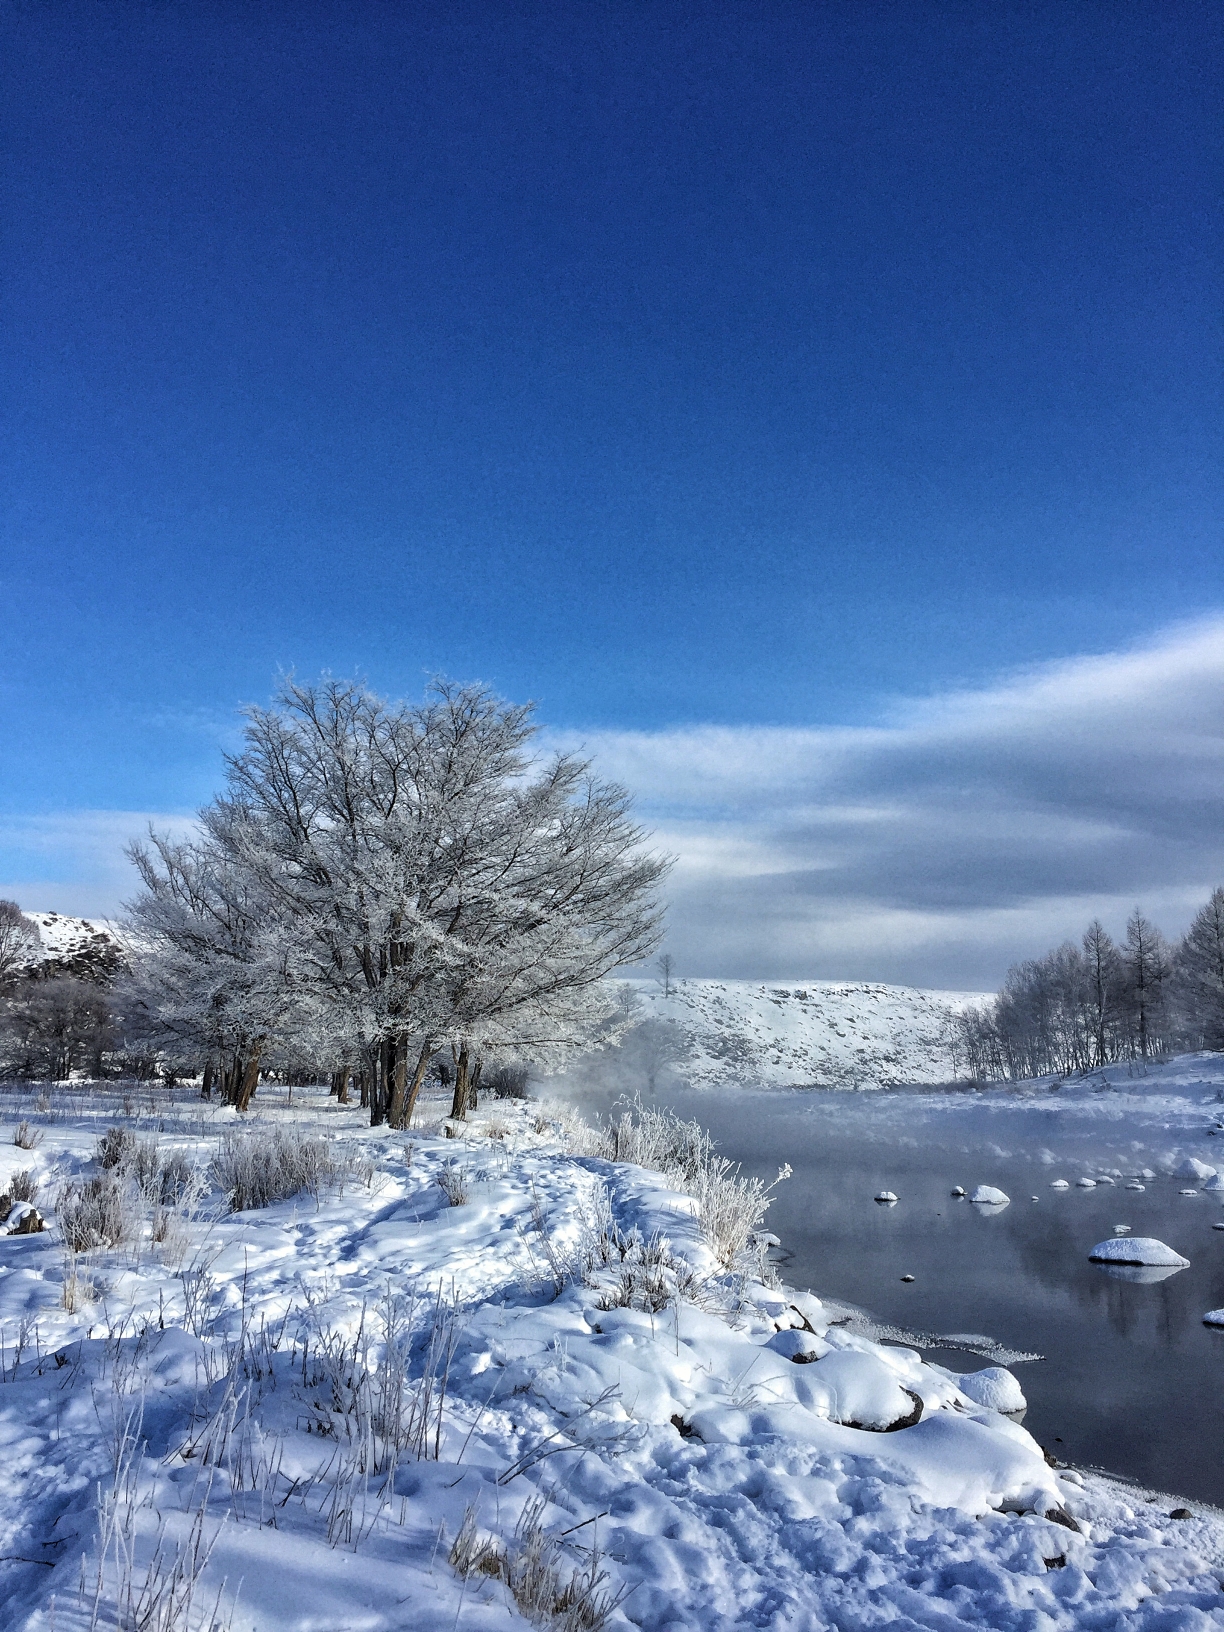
722 1452
808 1033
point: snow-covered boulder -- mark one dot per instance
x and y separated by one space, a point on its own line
863 1391
1192 1168
1214 1317
987 1196
23 1219
887 1197
1137 1249
1086 1183
1215 1182
1133 1184
995 1387
1059 1184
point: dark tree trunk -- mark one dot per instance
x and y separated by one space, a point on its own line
250 1078
459 1103
206 1090
404 1103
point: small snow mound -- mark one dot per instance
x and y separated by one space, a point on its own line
1192 1168
1215 1182
994 1387
1137 1249
986 1195
1060 1184
1187 1192
1135 1185
1086 1183
1214 1317
958 1189
886 1196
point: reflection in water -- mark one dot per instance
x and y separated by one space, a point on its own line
1139 1274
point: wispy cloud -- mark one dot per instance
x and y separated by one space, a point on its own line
73 861
960 833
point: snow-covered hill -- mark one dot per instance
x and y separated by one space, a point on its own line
83 948
814 1033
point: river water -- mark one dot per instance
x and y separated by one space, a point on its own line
1131 1380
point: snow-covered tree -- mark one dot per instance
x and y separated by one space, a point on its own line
19 940
393 879
1199 968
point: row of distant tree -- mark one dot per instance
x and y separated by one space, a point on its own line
1084 1006
383 890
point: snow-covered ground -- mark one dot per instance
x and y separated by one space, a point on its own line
798 1034
370 1386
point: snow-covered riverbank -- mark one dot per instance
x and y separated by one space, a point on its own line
706 1443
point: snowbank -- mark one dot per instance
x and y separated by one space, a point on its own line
377 1389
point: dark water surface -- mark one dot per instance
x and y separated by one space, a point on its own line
1131 1382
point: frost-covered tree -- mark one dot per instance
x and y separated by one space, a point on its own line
1199 974
19 940
408 878
1146 964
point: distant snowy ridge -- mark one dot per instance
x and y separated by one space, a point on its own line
807 1033
85 948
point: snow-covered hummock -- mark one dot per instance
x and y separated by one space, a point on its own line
987 1196
1215 1183
886 1196
808 1033
1192 1168
1086 1183
1060 1184
1214 1317
994 1386
1137 1249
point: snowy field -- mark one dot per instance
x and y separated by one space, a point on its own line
801 1034
492 1372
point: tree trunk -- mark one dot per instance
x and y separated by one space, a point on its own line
233 1079
460 1101
250 1077
404 1102
206 1090
384 1065
474 1084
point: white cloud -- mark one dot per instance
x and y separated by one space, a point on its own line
73 861
961 833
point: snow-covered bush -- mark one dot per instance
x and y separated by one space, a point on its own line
25 1137
532 1568
256 1169
452 1180
730 1205
99 1212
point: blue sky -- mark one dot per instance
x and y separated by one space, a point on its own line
767 369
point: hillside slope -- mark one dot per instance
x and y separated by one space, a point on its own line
826 1034
82 948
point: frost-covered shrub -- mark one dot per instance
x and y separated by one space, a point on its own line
532 1566
730 1206
453 1181
115 1148
256 1169
25 1137
96 1213
507 1081
22 1186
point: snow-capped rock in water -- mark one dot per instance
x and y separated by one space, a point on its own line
1137 1249
958 1190
1059 1184
1133 1184
1214 1317
987 1196
800 1034
995 1388
887 1197
1192 1168
1214 1183
1086 1183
